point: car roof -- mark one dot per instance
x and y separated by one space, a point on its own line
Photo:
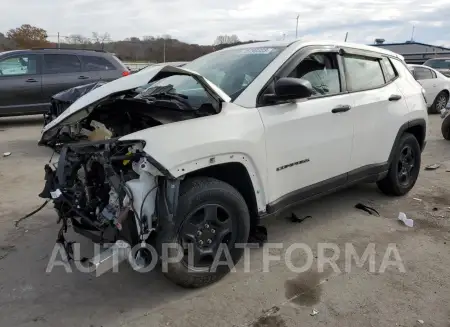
300 44
57 50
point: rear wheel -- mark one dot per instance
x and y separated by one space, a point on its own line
212 218
439 103
445 128
404 168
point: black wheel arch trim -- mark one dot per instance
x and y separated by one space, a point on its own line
412 123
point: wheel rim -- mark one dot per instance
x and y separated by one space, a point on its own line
441 102
406 165
202 232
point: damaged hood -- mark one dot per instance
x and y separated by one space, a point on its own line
82 107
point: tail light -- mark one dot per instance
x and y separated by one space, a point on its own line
125 73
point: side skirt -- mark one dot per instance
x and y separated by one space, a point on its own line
366 174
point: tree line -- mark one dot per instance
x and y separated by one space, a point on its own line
145 49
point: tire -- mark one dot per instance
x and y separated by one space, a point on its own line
439 103
445 128
395 182
196 196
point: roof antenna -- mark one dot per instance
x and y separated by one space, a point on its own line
346 35
412 34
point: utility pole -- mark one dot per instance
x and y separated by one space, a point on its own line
412 34
296 26
346 35
58 41
164 53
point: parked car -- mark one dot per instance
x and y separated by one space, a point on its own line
440 64
436 85
29 78
201 153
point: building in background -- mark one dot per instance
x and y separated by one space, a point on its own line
414 52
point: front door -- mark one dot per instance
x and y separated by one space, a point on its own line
20 85
309 142
427 78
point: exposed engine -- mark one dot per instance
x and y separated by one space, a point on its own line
101 185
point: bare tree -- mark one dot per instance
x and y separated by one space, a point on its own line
226 39
77 39
101 38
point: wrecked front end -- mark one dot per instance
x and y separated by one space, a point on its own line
108 191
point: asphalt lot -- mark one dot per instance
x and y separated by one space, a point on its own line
31 297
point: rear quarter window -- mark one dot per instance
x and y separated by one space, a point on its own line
91 63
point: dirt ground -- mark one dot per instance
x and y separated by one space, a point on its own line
279 298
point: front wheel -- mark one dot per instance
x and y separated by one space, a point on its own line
404 168
211 225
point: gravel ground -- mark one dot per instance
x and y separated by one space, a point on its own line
358 296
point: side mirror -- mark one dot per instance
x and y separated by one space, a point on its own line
288 88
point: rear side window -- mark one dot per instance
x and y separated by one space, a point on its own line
92 63
61 63
363 73
422 73
438 63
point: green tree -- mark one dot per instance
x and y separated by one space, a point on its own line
27 36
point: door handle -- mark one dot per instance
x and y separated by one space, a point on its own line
342 108
83 77
395 97
31 80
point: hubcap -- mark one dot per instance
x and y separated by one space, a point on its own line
441 102
405 165
202 232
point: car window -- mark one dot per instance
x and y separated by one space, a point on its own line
390 71
92 63
321 70
422 73
438 63
61 63
363 73
18 65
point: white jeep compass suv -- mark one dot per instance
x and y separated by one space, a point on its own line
197 155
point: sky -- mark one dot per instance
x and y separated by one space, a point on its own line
200 21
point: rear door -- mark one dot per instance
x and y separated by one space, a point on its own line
62 72
378 113
20 85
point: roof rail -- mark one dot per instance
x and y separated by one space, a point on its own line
96 50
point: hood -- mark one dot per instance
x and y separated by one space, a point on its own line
82 107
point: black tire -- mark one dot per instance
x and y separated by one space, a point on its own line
439 103
395 182
205 192
445 128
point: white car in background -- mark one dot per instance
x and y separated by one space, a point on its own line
436 85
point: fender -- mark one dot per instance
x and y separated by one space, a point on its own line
412 123
235 135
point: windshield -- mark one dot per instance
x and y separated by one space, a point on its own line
231 70
438 63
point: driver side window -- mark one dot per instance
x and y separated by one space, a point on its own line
19 65
321 70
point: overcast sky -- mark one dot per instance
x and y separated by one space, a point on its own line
200 21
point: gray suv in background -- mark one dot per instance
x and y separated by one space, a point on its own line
29 78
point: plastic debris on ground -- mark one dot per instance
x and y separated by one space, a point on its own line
314 312
417 199
6 154
408 222
420 321
432 167
369 210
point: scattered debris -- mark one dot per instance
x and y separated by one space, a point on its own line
420 321
314 312
6 154
408 222
417 199
367 209
435 209
258 235
432 167
448 170
296 219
